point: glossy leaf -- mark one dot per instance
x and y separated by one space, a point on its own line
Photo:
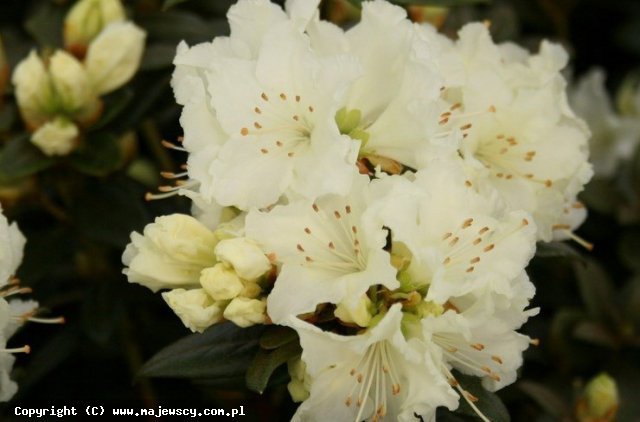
276 336
266 362
98 156
488 403
20 158
168 4
224 350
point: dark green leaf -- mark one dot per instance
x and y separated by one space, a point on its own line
556 250
20 158
223 350
48 357
595 333
8 114
547 399
596 289
442 3
46 255
98 156
178 25
265 362
488 403
109 212
601 195
114 104
277 336
629 248
158 56
168 4
45 24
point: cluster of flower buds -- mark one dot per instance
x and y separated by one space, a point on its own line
59 92
211 275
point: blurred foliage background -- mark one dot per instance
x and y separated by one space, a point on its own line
77 213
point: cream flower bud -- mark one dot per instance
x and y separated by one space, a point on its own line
114 56
359 315
85 21
251 289
600 400
221 282
57 137
33 91
244 255
172 252
300 381
195 308
71 84
245 312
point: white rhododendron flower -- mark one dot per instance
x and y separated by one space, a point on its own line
378 189
369 376
613 137
326 251
459 241
269 114
520 138
13 312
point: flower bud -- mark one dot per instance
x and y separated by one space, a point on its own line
300 381
244 255
57 137
251 289
359 315
114 56
195 308
245 312
33 91
85 21
73 93
172 252
599 402
221 282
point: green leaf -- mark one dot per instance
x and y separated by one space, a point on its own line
556 250
488 403
45 24
109 211
601 195
595 333
98 156
277 336
442 3
596 290
168 4
547 399
265 362
178 25
158 56
629 248
20 158
114 104
223 351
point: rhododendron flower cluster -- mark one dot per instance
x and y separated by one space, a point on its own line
379 190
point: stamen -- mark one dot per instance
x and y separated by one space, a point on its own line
24 349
